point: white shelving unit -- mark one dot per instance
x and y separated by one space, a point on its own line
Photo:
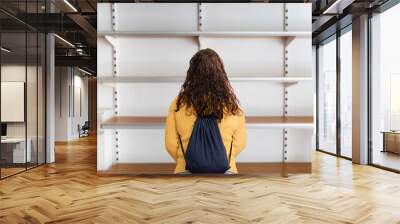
142 122
150 79
221 34
265 48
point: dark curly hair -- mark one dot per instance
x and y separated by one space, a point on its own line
207 89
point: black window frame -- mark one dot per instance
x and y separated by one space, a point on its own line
334 37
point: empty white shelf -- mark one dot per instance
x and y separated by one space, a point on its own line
206 33
122 79
138 122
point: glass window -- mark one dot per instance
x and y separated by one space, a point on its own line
327 97
31 101
385 87
394 102
22 92
346 94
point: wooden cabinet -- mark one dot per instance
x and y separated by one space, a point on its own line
391 142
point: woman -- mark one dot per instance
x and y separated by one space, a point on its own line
206 92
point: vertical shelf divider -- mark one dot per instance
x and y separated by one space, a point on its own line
115 73
199 24
286 41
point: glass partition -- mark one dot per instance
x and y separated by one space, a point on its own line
41 107
327 97
22 78
346 94
385 90
13 94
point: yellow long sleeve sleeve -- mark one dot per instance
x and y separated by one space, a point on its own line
240 135
171 133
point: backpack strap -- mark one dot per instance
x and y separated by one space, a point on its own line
180 141
230 152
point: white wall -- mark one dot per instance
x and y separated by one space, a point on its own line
80 109
13 73
69 82
169 56
17 73
61 103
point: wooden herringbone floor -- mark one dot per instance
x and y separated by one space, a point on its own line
69 191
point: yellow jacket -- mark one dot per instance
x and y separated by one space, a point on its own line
232 128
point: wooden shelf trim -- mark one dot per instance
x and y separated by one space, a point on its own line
127 79
122 122
206 33
168 168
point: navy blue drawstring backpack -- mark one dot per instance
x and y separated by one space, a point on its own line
206 152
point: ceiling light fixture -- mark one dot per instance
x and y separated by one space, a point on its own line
79 51
84 71
5 50
64 40
70 5
337 7
326 11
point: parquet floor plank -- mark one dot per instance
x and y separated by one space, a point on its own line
70 191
